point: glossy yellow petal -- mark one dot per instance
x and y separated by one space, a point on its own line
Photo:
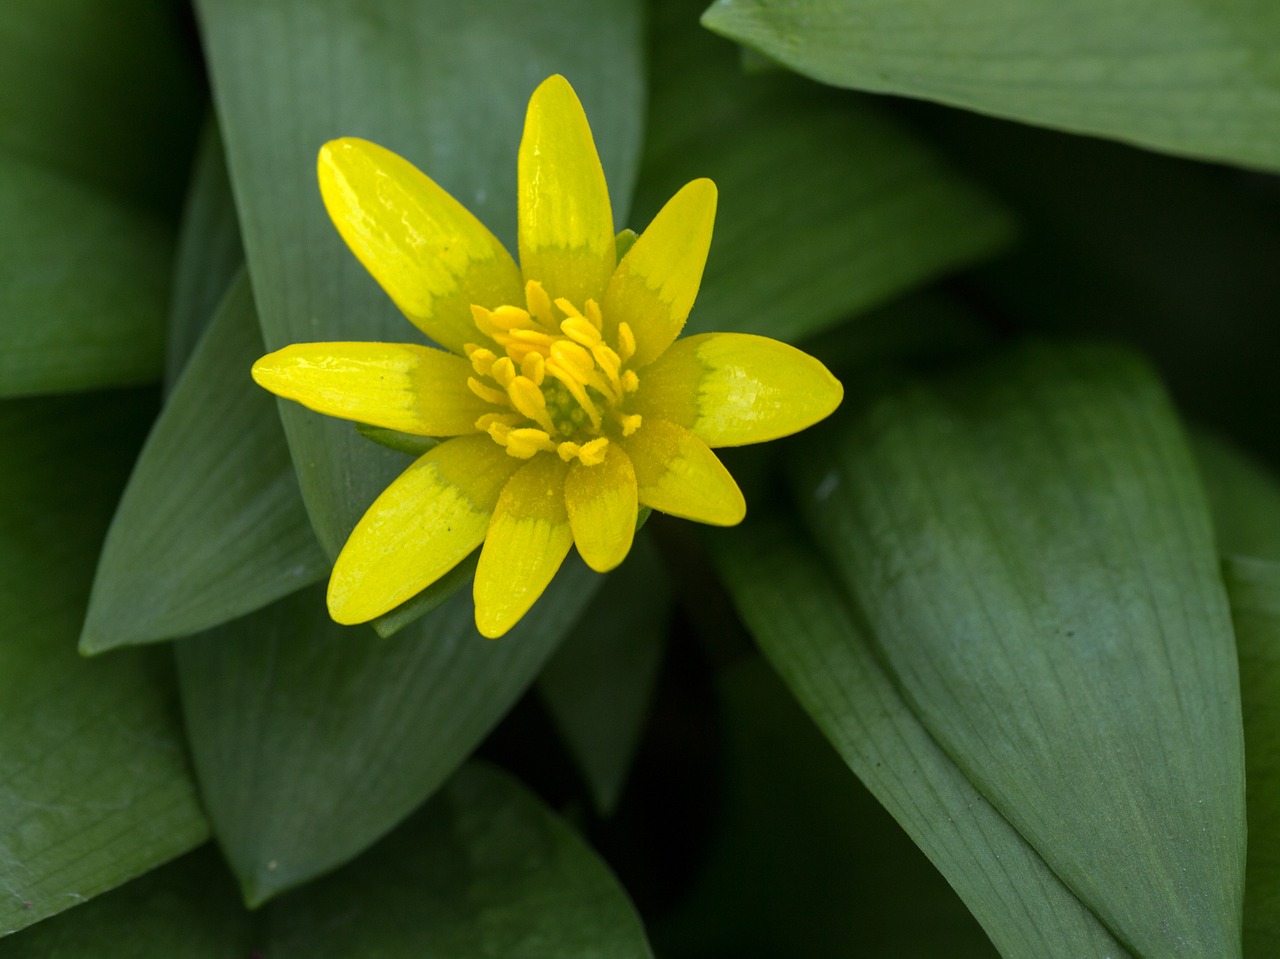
566 225
423 524
678 474
657 281
528 539
602 505
427 251
730 389
400 386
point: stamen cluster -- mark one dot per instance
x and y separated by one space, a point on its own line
559 385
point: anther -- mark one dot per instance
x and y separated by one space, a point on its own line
528 399
630 422
527 443
568 450
504 371
580 330
626 342
539 304
630 382
487 393
592 454
534 367
481 358
593 314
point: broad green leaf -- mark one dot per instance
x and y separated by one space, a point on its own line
96 787
1193 77
826 208
1254 586
211 525
804 863
598 685
208 256
185 909
311 740
103 91
1243 497
1246 512
83 282
443 84
1033 555
810 634
484 870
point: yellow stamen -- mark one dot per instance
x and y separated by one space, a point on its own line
533 365
504 371
626 342
487 393
592 454
580 330
539 304
528 399
574 386
527 443
485 423
630 382
593 314
510 318
568 450
630 422
481 358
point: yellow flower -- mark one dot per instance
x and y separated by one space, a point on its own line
567 398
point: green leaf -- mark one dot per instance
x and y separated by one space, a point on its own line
83 285
211 525
485 871
441 83
1034 558
1198 78
1243 497
1246 512
598 685
311 740
804 863
826 208
805 627
103 91
96 787
209 253
1254 586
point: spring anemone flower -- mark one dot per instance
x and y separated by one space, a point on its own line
566 398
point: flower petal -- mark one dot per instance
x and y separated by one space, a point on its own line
566 225
400 386
528 539
655 285
678 474
602 505
427 251
730 389
423 524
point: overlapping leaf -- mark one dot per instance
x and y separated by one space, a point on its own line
483 871
96 787
1199 78
1034 560
805 627
83 284
312 740
211 525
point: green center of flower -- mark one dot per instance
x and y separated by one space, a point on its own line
557 385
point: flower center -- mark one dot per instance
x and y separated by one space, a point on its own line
557 385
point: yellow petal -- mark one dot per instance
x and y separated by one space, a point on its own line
678 474
427 251
400 386
730 389
566 225
528 539
655 285
423 524
602 506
